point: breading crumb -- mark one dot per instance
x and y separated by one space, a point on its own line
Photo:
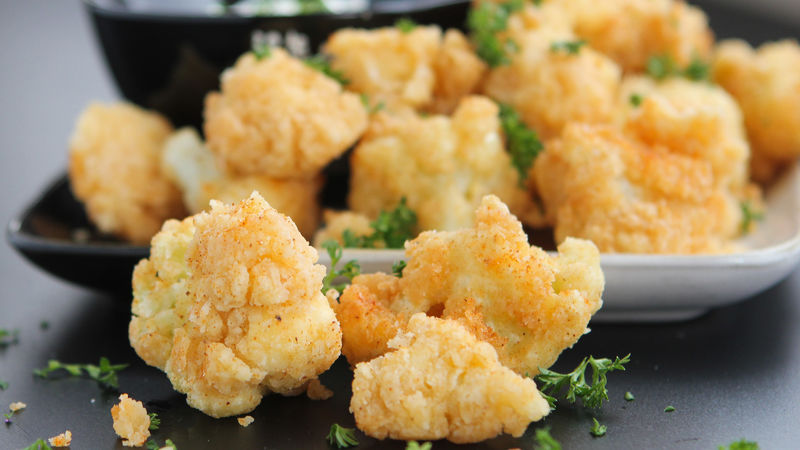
245 421
62 440
131 421
317 391
16 406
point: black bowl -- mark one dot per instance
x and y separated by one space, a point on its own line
168 61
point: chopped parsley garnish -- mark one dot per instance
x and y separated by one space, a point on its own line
740 445
153 445
629 397
349 270
44 325
342 437
391 229
40 444
322 64
262 51
661 67
414 445
3 385
568 47
397 268
105 373
313 7
592 395
155 422
669 409
597 429
8 337
372 109
405 25
749 216
523 144
636 99
544 441
484 22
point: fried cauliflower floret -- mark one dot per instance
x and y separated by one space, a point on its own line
115 170
550 89
693 119
62 440
459 72
131 421
627 197
441 382
527 304
191 165
257 321
278 117
631 31
245 421
442 166
766 83
336 222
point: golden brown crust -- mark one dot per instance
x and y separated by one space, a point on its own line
131 421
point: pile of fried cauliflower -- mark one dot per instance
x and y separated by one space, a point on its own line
621 125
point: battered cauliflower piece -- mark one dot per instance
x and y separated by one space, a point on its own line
62 440
441 165
131 421
631 31
115 170
627 197
441 382
191 165
550 88
527 304
336 222
693 119
256 320
459 72
245 421
278 117
766 83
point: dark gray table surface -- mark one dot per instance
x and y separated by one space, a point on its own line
731 374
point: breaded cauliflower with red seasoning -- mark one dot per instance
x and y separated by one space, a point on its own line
257 321
191 165
766 83
441 382
631 31
278 117
527 304
115 170
626 197
442 166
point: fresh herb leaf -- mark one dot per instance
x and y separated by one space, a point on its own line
105 373
568 47
544 441
629 397
484 23
405 25
155 422
262 51
636 100
592 395
44 325
322 64
3 385
414 445
40 444
8 337
342 437
169 444
740 445
523 143
749 216
350 269
391 229
153 445
661 67
697 70
371 109
312 7
597 429
669 409
397 268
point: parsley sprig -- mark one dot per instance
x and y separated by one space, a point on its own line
155 422
261 51
750 215
568 47
342 437
598 430
105 373
8 337
349 270
484 23
592 395
544 441
40 444
662 67
398 267
322 63
414 445
405 25
153 445
391 229
523 144
740 445
3 385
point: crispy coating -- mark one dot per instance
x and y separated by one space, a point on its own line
62 440
459 72
191 166
245 421
114 169
256 320
441 382
318 391
131 421
442 166
548 88
627 197
527 304
278 117
766 83
631 31
336 222
693 119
